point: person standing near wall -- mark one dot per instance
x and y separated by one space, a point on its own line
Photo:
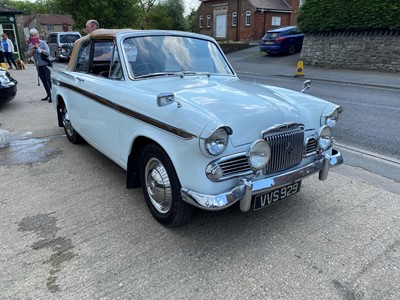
8 47
36 48
1 53
91 25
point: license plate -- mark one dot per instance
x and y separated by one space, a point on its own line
269 43
263 200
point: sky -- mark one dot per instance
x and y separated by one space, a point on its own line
189 4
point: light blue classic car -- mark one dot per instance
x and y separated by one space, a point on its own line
168 108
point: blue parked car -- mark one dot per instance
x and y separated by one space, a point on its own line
282 40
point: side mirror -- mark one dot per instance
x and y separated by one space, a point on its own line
306 85
165 99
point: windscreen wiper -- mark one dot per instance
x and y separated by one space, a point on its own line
158 74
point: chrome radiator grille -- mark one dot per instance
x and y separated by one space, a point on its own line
286 150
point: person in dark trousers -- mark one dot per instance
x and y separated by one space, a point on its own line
39 50
8 47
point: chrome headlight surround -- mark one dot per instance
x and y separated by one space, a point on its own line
4 79
331 117
325 139
217 142
259 154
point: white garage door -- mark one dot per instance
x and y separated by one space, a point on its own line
220 31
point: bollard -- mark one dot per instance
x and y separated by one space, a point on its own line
300 69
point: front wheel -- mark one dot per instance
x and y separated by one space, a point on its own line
161 188
70 132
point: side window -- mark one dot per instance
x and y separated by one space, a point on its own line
51 38
116 68
82 61
234 19
248 18
102 53
208 21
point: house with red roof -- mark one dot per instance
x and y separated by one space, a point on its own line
240 20
47 23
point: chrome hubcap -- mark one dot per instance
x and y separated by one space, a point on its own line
67 123
158 185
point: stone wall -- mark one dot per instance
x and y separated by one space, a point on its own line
364 50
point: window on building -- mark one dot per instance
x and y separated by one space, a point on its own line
248 15
234 19
208 21
50 28
276 21
201 22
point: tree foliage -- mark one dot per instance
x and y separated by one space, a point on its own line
175 9
109 13
330 15
28 7
191 20
146 14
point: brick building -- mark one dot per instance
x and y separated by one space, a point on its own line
240 20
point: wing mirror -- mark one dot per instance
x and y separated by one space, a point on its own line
165 99
306 85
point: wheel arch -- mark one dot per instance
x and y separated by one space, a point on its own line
132 174
60 105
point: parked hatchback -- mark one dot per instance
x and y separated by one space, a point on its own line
60 43
283 40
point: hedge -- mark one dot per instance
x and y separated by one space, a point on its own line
348 15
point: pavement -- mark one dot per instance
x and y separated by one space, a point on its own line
286 65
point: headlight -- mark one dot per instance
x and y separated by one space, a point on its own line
217 142
331 117
324 138
259 154
4 79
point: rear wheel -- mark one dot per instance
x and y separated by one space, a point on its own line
161 188
292 49
70 132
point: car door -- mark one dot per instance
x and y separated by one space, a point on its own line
98 117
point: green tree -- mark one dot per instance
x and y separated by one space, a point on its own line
158 18
109 13
191 21
175 10
28 7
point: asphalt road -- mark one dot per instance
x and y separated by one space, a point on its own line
70 230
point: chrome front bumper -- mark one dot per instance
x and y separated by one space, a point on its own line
248 188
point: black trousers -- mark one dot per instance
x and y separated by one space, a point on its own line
10 59
1 56
44 75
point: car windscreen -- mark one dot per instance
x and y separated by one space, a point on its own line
168 55
69 38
